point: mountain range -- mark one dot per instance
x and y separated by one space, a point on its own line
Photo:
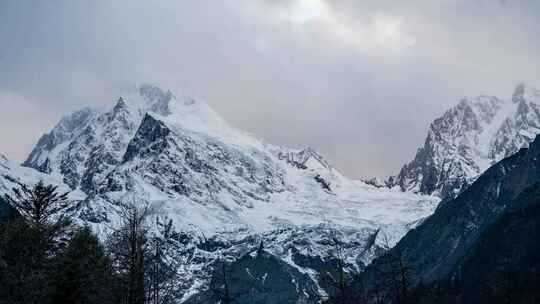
228 191
225 189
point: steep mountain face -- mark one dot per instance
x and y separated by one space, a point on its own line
435 248
6 211
503 266
224 189
468 139
86 145
506 258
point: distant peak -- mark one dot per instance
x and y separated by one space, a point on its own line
465 102
120 104
154 93
525 92
145 98
519 92
300 158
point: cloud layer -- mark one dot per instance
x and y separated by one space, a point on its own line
358 80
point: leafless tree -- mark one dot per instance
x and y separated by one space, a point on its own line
128 246
164 269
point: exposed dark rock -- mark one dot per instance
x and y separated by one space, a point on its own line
503 265
149 139
259 278
435 248
324 183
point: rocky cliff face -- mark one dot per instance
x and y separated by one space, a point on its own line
86 145
468 139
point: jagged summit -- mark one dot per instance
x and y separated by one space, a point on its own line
305 158
524 92
120 105
149 98
469 138
151 92
84 146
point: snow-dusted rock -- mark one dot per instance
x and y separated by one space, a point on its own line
468 139
12 175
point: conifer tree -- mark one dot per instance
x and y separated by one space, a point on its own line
29 243
83 272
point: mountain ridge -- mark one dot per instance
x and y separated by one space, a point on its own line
469 138
434 249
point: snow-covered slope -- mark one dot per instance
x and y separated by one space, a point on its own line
468 139
12 175
218 184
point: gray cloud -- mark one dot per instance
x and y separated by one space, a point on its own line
358 80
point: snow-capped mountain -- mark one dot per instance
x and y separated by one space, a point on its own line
180 156
468 139
226 189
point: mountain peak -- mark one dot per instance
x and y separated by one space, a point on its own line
120 104
469 138
524 92
146 98
305 158
152 92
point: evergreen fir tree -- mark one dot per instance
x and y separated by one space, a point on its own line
83 272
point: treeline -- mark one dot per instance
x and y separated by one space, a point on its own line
45 258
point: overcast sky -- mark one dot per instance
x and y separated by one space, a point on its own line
359 81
